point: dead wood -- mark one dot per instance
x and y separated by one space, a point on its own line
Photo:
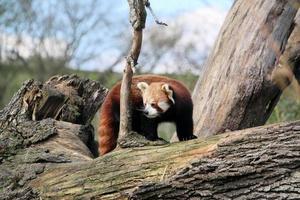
235 89
46 124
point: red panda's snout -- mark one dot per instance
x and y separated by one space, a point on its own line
153 110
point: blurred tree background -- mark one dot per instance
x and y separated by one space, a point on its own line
39 39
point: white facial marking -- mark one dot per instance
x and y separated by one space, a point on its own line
164 106
151 112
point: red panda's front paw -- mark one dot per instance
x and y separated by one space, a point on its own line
193 137
190 137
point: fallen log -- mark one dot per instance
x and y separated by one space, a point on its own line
262 162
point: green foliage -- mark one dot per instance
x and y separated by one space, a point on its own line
14 73
288 107
188 78
11 78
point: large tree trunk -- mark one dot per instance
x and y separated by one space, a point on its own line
235 90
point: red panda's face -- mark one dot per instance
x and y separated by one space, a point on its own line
157 98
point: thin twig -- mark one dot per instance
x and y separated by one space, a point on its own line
147 4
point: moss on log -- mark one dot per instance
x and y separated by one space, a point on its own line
247 164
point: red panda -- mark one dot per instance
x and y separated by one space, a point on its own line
155 99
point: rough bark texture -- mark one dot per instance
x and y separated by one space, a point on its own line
125 104
261 162
137 19
235 90
32 138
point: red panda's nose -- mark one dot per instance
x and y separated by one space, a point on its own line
146 112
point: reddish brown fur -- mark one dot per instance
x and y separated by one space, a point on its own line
109 113
156 93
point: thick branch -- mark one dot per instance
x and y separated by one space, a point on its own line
246 164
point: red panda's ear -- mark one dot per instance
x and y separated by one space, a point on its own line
168 91
142 86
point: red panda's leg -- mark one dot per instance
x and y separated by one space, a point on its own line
184 126
149 128
108 130
150 131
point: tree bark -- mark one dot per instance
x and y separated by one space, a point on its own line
32 138
137 19
235 89
261 162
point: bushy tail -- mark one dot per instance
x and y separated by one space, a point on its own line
108 130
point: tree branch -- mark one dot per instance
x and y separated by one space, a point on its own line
137 20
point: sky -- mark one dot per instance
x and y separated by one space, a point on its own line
177 7
171 11
199 20
173 8
169 8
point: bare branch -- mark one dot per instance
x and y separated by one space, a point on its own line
137 19
147 4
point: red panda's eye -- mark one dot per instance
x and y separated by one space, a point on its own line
152 104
